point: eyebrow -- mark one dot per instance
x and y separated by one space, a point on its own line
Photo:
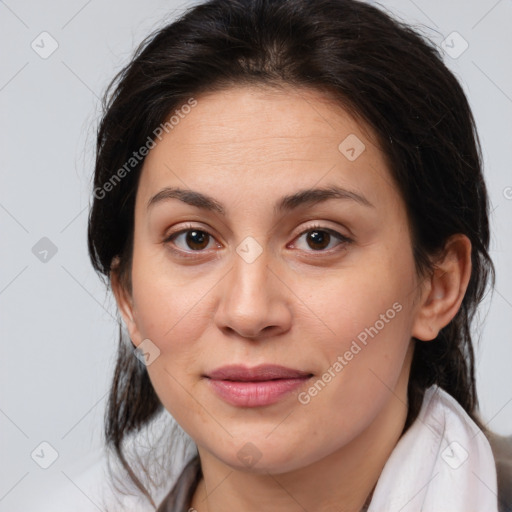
306 197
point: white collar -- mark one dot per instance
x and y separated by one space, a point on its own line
443 463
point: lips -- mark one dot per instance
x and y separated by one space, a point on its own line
264 372
255 387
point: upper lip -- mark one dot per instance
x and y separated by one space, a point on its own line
256 373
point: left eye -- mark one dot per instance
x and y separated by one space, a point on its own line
319 238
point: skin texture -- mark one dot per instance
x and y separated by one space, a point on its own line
301 303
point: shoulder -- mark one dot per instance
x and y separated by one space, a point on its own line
502 450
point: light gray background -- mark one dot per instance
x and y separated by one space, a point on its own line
58 329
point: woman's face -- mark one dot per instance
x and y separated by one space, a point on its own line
269 268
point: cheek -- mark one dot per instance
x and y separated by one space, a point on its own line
167 299
172 316
369 295
369 318
172 308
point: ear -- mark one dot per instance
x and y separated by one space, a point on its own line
124 302
444 290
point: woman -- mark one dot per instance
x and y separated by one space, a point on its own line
290 208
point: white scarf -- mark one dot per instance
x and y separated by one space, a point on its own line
443 463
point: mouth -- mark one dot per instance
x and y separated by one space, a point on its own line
255 387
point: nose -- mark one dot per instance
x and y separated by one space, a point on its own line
254 302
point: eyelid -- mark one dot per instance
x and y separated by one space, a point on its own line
322 227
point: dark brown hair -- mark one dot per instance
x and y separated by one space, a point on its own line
376 67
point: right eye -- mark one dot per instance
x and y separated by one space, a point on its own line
190 239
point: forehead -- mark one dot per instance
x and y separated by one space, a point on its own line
269 138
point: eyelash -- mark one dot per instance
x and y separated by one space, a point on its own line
184 254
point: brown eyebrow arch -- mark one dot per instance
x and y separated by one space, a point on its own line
306 197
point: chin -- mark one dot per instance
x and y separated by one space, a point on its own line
262 458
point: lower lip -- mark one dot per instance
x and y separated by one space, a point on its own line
255 394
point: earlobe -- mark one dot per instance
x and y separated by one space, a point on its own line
445 290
